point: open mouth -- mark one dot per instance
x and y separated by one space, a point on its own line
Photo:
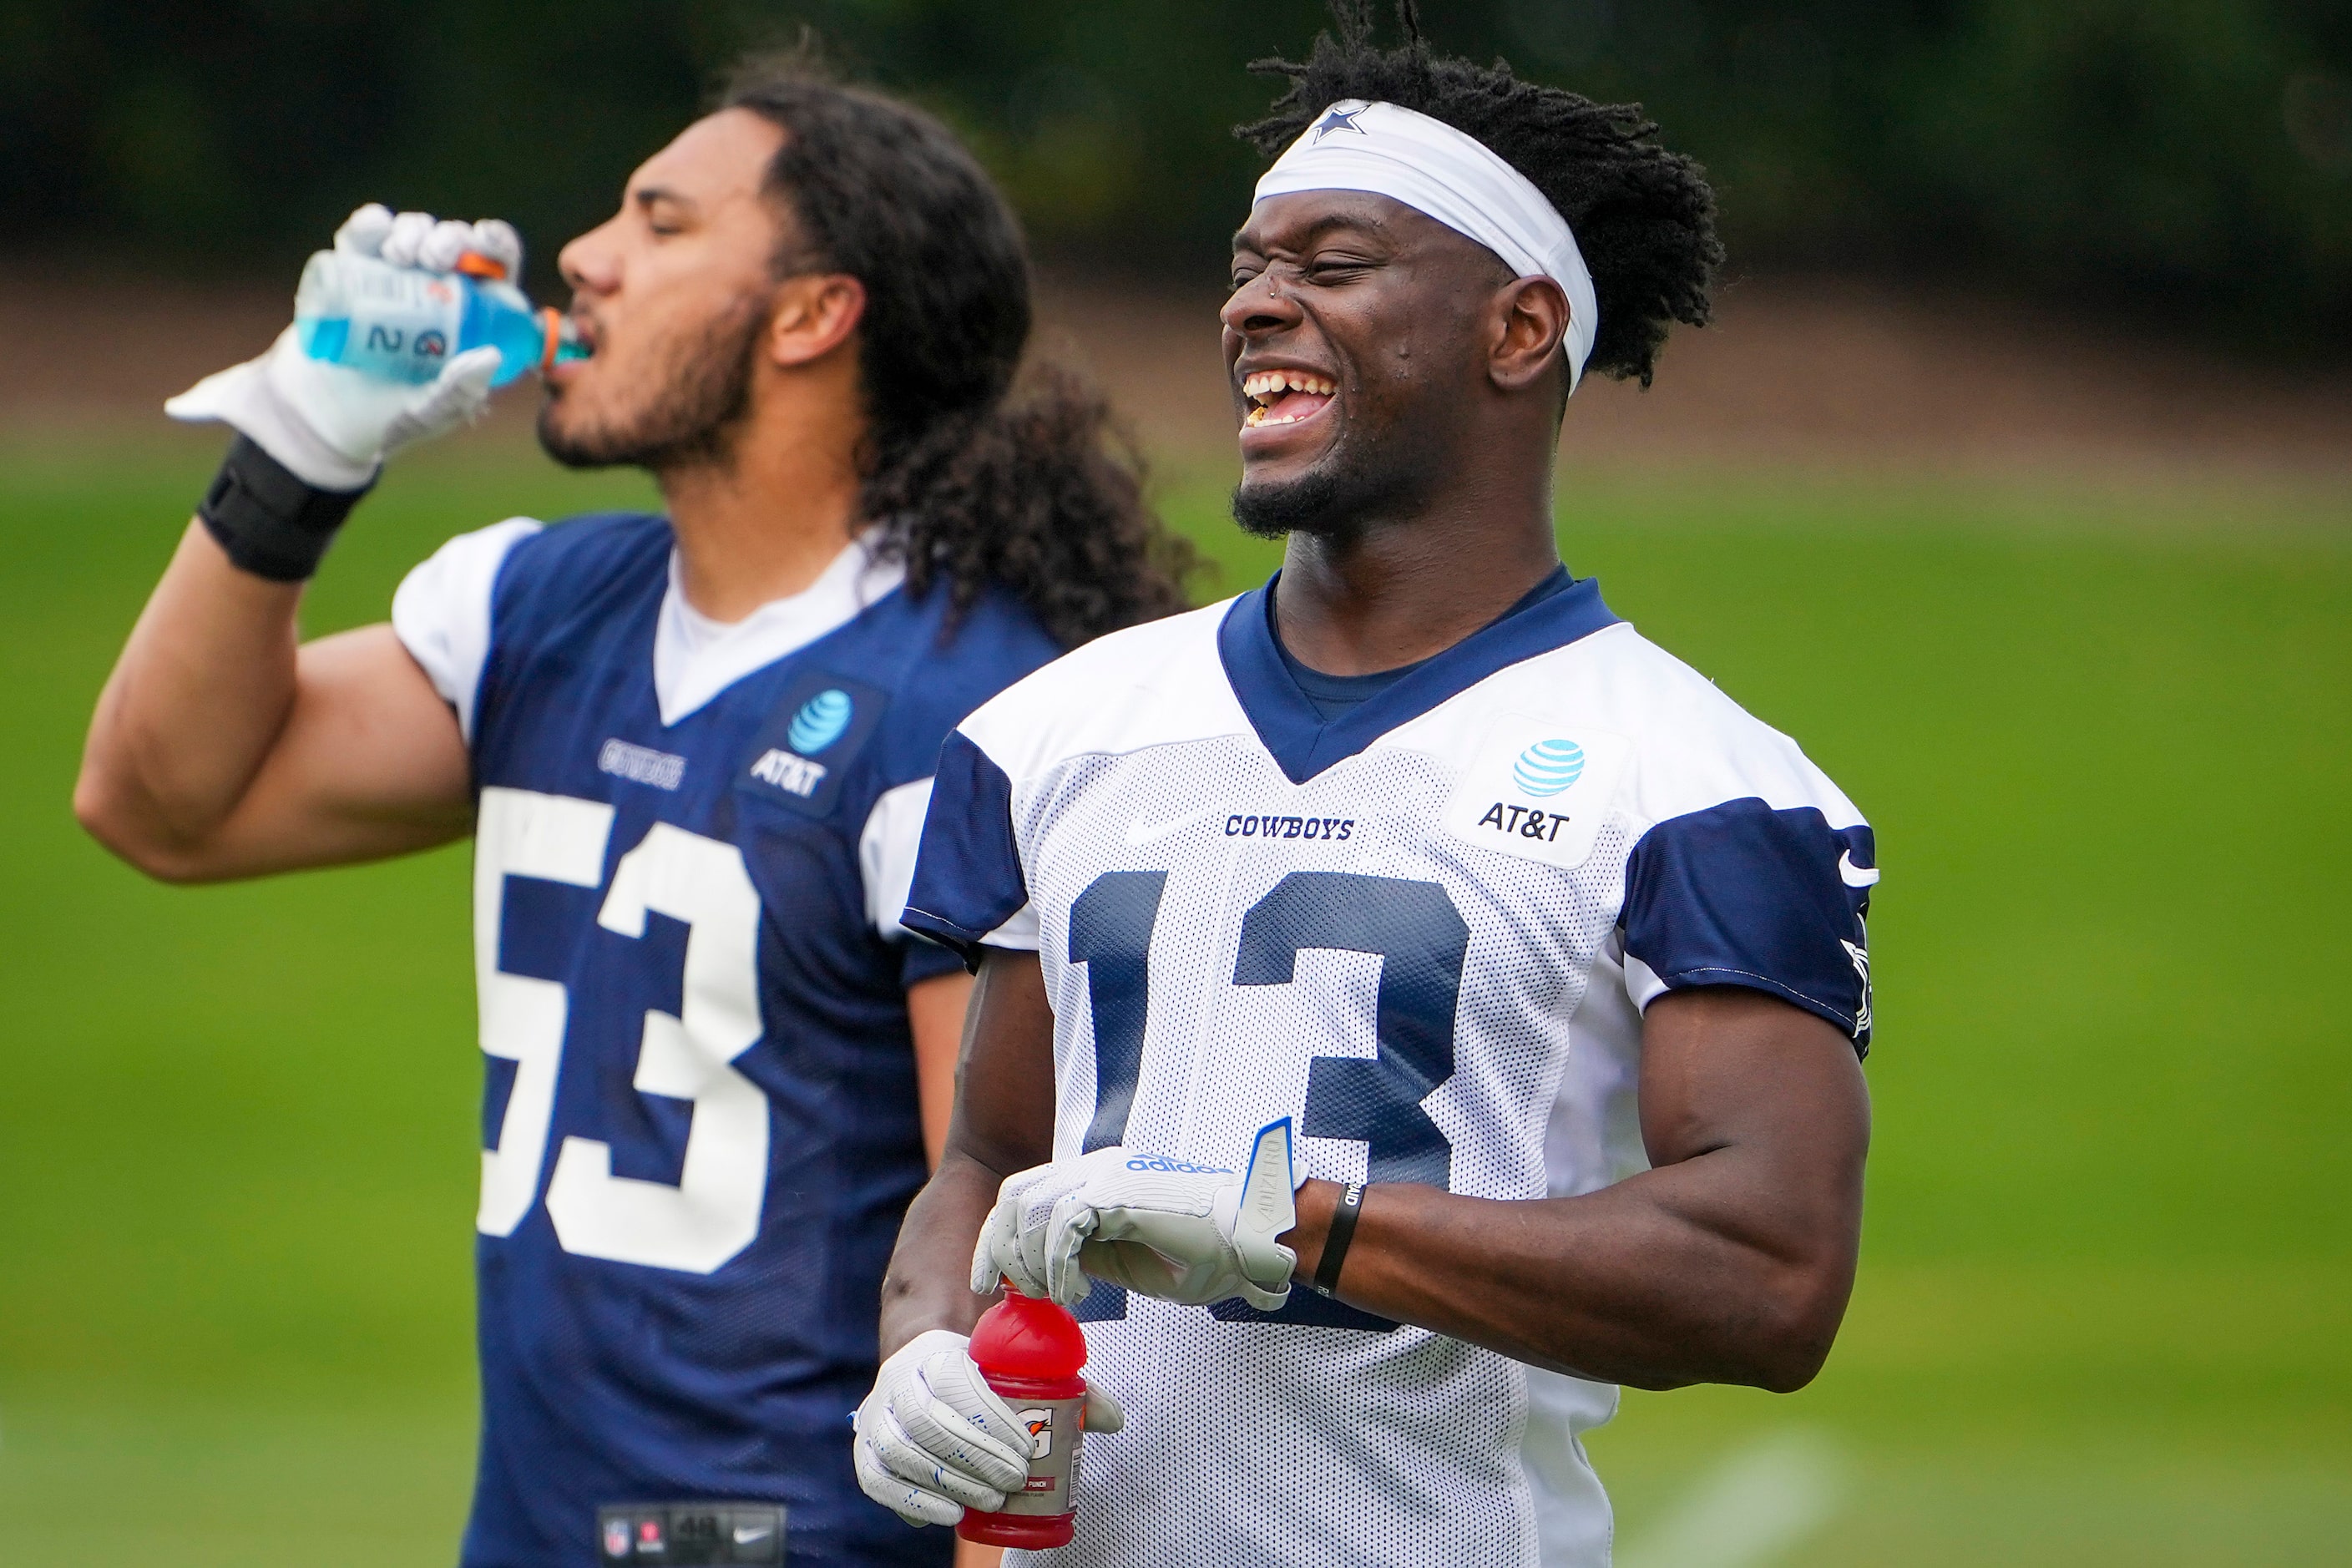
1284 396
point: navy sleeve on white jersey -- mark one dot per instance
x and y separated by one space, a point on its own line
1741 894
969 891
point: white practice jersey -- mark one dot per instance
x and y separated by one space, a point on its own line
1425 928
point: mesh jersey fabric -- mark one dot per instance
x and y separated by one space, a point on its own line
1424 929
699 1124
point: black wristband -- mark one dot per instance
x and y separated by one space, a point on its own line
1335 1242
270 523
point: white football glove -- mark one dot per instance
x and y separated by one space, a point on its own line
332 426
1185 1233
934 1439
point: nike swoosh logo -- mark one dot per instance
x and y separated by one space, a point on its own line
1854 876
745 1537
1137 835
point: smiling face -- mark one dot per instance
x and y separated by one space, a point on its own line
672 292
1361 341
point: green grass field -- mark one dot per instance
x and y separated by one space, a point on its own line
2105 1312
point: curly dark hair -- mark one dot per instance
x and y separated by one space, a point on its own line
1643 217
974 480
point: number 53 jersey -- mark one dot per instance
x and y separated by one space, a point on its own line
700 1124
1425 928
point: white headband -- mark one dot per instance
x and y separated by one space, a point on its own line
1434 169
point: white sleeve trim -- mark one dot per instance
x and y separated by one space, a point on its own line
1020 932
886 853
442 611
1641 983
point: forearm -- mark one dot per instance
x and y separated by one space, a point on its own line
1652 1282
1729 1261
929 1285
1003 1122
201 693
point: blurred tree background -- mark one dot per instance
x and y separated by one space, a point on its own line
2187 161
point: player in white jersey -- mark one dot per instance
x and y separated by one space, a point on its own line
1411 1003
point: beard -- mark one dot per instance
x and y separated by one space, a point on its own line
1367 476
1304 505
703 391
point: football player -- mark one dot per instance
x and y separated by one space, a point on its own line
694 752
1411 1005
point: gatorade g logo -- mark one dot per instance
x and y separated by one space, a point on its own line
1039 1419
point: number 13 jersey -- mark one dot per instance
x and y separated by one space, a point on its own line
1425 928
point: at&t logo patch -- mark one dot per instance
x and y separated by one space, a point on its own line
1538 789
793 776
818 714
1548 767
820 722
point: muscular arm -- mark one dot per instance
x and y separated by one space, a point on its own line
1729 1261
221 749
1003 1122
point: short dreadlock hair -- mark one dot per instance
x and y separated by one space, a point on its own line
1643 217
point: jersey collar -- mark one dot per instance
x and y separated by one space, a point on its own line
696 658
1303 744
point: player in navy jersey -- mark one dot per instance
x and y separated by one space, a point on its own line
694 751
1411 1003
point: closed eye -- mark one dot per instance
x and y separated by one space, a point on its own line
1338 268
665 212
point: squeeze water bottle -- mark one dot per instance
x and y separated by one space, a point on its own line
1031 1352
402 324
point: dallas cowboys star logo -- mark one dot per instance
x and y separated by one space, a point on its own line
1340 120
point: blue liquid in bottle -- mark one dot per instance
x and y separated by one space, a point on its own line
402 324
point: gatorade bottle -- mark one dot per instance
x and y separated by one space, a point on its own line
1031 1352
402 324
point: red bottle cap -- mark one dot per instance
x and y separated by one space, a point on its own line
1025 1340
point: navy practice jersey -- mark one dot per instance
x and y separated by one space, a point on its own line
700 1126
1424 926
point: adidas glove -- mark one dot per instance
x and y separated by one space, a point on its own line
1182 1232
331 427
934 1439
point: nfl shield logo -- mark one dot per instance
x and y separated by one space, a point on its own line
616 1538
